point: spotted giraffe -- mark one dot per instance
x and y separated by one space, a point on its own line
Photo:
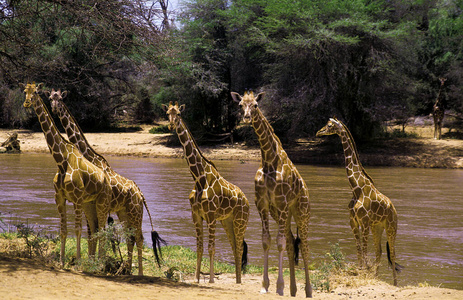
77 180
369 208
127 200
212 199
280 191
438 111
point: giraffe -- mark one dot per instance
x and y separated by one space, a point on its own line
281 191
438 111
369 208
212 199
77 179
127 200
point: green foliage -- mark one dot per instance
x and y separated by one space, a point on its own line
37 241
334 262
363 61
160 129
95 50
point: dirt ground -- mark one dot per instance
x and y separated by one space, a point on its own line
422 151
26 279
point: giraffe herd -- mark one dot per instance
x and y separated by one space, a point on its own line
86 179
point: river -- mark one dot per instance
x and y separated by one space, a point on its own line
429 203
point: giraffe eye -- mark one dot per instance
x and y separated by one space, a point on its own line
255 105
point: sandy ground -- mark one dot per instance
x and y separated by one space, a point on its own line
423 151
26 279
138 143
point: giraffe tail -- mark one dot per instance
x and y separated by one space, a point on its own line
157 241
398 267
297 241
155 238
244 258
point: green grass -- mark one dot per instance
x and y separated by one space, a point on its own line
179 263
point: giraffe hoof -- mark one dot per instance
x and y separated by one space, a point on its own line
263 291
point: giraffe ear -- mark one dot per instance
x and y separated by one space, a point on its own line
46 93
181 108
22 85
39 85
236 97
164 107
64 94
260 96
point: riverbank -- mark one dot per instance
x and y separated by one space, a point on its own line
419 149
39 278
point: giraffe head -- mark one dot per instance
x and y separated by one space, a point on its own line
332 127
30 89
56 98
173 111
248 104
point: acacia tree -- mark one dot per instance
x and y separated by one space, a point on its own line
94 49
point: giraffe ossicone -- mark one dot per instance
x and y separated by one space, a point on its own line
281 192
212 199
369 208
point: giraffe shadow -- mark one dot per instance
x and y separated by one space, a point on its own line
13 266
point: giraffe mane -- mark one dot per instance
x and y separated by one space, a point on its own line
355 151
270 127
81 132
196 145
45 109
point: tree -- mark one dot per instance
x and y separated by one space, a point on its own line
93 49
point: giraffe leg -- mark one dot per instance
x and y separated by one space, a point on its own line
440 131
236 242
302 220
211 225
282 218
305 250
124 219
290 250
266 239
92 223
391 232
198 222
365 232
240 222
377 231
102 211
134 222
139 242
61 205
355 229
78 228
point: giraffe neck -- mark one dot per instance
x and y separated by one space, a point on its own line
356 174
55 141
438 99
196 161
77 137
270 144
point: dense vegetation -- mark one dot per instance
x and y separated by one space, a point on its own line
364 61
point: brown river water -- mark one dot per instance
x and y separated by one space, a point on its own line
429 203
